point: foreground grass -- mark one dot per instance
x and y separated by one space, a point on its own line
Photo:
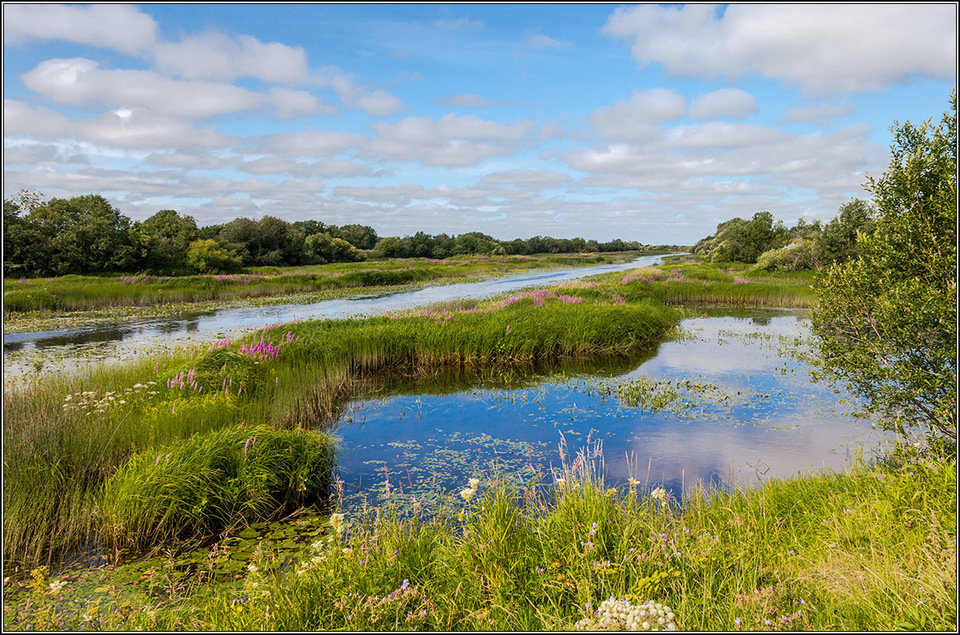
870 549
40 297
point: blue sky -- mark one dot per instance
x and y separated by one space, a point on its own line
643 122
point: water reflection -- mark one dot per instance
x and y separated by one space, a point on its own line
776 422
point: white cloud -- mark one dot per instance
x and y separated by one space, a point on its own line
311 144
470 100
376 103
114 26
291 104
451 141
527 177
218 56
540 41
80 81
458 24
817 113
637 116
825 48
726 102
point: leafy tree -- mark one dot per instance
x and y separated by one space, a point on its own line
83 234
208 256
738 240
22 253
887 320
324 248
837 241
360 236
168 235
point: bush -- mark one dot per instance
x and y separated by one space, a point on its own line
796 256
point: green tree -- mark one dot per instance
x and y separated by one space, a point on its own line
886 322
209 256
168 236
83 234
323 248
837 241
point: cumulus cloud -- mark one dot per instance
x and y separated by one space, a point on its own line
376 103
291 104
817 113
80 81
451 141
824 48
638 116
726 102
217 56
115 26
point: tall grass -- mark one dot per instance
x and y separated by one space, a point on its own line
869 549
209 483
66 435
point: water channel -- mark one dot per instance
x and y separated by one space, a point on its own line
76 348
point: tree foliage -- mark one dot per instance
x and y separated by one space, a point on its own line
887 320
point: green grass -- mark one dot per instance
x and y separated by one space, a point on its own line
73 293
872 548
869 549
210 483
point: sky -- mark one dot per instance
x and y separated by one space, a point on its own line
642 122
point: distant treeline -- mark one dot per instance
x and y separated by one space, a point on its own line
773 247
86 234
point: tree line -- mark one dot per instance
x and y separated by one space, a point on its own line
87 235
774 247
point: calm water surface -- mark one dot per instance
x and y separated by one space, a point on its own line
764 419
77 348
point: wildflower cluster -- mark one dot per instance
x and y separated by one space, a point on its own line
621 615
90 402
264 350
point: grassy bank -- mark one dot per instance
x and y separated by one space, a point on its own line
89 293
65 436
870 549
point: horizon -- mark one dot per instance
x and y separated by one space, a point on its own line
646 123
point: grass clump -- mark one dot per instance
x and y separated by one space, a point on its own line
212 482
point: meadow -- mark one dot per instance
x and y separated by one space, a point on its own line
193 448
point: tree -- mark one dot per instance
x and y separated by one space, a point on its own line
168 236
83 234
208 256
886 322
837 241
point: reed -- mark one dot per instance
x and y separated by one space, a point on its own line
213 482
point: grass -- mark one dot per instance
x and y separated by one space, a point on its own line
210 483
869 549
77 293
